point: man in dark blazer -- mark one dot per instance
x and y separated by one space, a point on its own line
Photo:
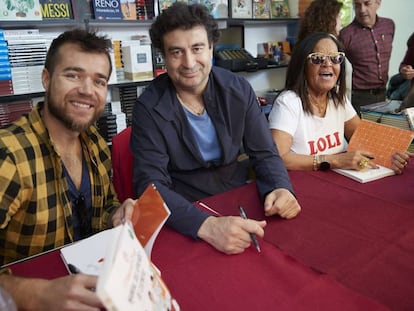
189 128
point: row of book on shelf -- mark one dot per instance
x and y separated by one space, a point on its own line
23 54
136 9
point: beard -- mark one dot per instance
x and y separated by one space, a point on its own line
67 120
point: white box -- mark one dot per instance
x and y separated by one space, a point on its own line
137 62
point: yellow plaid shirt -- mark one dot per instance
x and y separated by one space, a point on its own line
35 210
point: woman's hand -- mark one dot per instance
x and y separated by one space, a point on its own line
400 161
355 160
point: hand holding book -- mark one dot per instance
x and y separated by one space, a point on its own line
385 145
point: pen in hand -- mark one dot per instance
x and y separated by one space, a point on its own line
252 235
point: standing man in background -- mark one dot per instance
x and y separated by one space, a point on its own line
368 44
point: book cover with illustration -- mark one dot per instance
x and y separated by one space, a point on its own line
20 10
107 9
261 9
241 8
56 9
164 4
279 9
217 8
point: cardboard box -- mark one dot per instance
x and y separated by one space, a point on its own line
137 60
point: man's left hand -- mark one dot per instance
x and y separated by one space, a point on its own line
281 202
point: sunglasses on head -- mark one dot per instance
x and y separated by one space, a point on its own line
319 58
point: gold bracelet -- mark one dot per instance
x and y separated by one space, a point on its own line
315 163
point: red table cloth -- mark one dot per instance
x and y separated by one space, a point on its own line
360 234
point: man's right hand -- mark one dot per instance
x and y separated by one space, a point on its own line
72 292
230 234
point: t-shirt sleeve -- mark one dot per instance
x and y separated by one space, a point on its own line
285 112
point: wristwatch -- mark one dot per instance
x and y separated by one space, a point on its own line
321 163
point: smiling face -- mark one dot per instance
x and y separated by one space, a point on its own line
366 11
322 78
188 58
76 89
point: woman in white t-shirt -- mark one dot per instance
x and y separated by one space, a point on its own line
311 120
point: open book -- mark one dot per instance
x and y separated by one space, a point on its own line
120 257
383 141
129 280
150 214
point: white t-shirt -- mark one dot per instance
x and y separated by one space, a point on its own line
311 134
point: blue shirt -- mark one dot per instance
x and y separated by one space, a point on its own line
205 135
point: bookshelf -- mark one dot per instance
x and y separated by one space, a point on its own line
247 33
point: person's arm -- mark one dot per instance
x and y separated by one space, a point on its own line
407 71
406 66
230 234
268 166
272 179
72 292
286 114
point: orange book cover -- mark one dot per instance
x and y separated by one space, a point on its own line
150 214
380 139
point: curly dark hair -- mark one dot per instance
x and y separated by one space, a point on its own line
320 16
183 16
88 41
296 72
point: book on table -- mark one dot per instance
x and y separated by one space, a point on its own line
120 257
383 141
367 174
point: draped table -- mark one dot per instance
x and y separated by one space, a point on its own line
361 235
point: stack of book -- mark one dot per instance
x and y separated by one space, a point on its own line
388 113
128 97
6 85
27 54
9 112
119 65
